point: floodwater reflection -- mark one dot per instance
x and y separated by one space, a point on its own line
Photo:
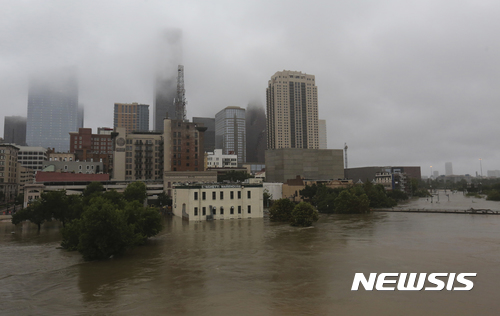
255 267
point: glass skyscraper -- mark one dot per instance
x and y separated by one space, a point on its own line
52 110
230 132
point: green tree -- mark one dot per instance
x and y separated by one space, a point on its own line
304 215
309 191
135 191
281 211
325 199
92 190
35 213
397 195
103 231
267 197
493 195
164 200
348 202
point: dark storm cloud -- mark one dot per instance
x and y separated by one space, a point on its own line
402 82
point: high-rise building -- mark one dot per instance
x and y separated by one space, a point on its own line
170 52
131 116
292 111
14 130
209 123
230 132
80 116
322 134
448 169
52 110
256 133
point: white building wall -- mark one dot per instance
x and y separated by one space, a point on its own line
196 202
275 189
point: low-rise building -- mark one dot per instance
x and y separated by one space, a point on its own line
89 167
217 159
291 189
218 201
32 157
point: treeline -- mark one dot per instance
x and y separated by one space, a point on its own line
98 224
359 198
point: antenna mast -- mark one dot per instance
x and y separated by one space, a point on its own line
180 100
345 151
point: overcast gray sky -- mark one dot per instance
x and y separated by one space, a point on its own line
401 82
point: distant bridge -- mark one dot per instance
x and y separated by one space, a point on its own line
426 210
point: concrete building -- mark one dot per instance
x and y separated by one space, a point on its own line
448 169
93 147
61 156
288 163
131 116
171 178
184 146
292 111
209 123
88 167
8 171
52 110
218 201
230 132
24 176
138 155
14 130
32 157
322 134
217 159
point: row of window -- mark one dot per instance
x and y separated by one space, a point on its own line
221 195
221 211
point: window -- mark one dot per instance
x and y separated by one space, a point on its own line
249 194
195 211
231 195
203 195
203 211
249 209
222 195
239 194
195 196
231 211
214 210
221 210
239 209
214 195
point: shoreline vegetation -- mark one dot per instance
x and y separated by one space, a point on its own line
97 224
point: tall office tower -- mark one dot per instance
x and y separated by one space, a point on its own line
170 52
9 171
256 133
448 169
132 116
80 115
230 132
52 110
322 134
180 99
209 123
292 111
14 130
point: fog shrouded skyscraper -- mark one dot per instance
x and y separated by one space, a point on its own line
448 169
230 132
52 110
209 138
292 111
14 130
170 52
256 133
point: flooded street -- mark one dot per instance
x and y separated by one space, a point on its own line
254 267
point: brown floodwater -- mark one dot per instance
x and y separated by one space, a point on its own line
254 267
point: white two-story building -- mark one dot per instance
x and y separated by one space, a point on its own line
201 202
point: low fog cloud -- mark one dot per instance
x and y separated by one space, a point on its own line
402 83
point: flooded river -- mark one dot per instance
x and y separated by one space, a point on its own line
254 267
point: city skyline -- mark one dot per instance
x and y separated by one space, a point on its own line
399 81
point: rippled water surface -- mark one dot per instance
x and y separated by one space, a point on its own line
254 267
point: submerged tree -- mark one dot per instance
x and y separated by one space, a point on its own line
281 211
304 215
